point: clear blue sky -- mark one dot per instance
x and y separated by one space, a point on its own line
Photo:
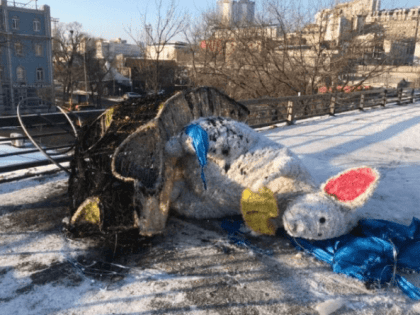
109 18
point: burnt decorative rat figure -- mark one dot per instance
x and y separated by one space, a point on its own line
245 172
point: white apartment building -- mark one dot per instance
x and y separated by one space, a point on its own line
112 48
169 51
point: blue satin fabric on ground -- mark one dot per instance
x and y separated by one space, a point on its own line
373 252
201 145
232 226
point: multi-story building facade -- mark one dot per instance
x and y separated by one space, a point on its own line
110 49
399 28
25 54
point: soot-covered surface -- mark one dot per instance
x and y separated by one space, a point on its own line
91 167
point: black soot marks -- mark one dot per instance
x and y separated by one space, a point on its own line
212 121
231 132
212 137
225 151
58 273
227 167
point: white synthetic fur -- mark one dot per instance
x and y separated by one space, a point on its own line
240 158
304 217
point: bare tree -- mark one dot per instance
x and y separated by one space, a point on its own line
76 64
169 23
67 59
284 52
98 70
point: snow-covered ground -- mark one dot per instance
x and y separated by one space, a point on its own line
6 147
195 270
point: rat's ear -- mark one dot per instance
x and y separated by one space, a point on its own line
353 187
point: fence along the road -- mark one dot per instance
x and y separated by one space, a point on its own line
264 112
269 111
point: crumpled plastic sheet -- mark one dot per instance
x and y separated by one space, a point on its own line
372 252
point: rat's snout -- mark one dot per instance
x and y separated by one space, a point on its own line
293 226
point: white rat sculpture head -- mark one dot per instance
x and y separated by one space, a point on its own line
331 212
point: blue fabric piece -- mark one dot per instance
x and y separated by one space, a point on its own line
409 289
372 252
409 256
201 145
238 238
367 259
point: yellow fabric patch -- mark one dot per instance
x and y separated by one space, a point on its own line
257 210
108 117
92 213
89 211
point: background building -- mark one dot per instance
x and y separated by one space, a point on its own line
110 49
239 12
397 27
170 51
25 54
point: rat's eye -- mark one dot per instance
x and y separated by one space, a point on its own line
322 220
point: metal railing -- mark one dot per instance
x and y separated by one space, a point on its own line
264 112
23 5
38 120
269 111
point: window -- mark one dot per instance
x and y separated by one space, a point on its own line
37 25
19 49
15 23
38 49
20 74
40 74
1 74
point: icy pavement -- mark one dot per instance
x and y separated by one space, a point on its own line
193 268
17 194
6 147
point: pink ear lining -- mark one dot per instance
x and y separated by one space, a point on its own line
351 184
